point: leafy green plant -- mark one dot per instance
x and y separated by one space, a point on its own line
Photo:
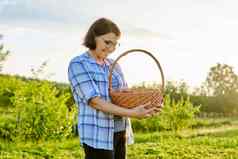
178 115
7 127
41 113
175 115
8 87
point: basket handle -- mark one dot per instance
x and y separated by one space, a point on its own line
130 51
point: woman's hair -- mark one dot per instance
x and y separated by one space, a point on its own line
99 27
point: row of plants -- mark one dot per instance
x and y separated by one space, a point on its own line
39 109
34 110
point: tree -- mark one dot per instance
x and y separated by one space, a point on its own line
174 88
183 88
201 91
3 54
222 80
40 72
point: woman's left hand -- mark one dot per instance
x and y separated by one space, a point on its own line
158 108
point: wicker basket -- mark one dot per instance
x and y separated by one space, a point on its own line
130 98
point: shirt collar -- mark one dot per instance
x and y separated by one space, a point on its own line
92 60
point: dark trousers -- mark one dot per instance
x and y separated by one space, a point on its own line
119 151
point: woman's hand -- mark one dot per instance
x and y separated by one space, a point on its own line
141 111
145 111
158 109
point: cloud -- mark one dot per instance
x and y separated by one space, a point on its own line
77 12
141 32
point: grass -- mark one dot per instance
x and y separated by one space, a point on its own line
65 149
209 139
166 145
222 144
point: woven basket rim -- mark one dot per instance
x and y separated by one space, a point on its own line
131 51
135 90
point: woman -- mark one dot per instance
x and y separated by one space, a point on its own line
102 125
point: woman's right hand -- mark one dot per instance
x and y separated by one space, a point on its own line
144 111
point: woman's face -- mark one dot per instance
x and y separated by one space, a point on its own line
105 44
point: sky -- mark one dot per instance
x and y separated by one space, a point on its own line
187 36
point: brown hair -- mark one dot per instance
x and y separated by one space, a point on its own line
99 27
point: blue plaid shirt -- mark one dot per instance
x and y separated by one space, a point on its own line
89 79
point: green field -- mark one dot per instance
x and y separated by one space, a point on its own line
211 142
39 125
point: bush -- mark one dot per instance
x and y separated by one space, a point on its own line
147 125
178 115
174 116
225 104
7 127
8 87
41 112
